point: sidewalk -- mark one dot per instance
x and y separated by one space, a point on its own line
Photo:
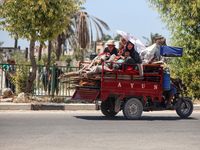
54 106
28 106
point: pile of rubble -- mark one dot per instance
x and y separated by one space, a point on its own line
8 96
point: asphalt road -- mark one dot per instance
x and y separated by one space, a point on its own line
90 130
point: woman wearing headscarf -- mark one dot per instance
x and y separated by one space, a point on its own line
133 53
133 58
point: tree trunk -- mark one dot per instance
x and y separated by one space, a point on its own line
82 55
63 42
16 41
26 53
49 52
32 74
65 47
58 49
40 52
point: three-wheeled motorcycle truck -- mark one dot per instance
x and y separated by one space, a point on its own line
133 94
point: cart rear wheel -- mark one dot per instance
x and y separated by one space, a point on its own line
132 109
107 110
184 109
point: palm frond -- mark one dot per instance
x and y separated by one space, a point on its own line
99 27
91 33
105 25
97 36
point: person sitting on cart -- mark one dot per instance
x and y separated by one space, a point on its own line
111 48
124 42
121 53
121 50
128 59
133 53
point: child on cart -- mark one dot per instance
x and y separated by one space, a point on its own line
127 59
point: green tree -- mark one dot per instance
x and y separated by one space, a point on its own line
1 43
118 37
189 72
152 38
44 59
182 18
19 58
106 37
36 20
79 31
21 76
66 58
78 52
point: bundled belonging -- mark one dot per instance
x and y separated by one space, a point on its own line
148 54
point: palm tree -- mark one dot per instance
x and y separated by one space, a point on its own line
85 34
69 34
152 38
79 31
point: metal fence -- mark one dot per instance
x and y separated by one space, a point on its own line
44 85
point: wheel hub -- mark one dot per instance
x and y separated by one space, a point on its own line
133 108
185 107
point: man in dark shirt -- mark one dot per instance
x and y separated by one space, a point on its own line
5 68
111 48
46 77
58 75
11 71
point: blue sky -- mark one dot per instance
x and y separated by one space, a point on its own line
132 16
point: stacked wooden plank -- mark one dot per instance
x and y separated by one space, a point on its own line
75 80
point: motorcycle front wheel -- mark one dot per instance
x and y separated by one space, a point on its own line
184 107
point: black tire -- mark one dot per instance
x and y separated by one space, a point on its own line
132 109
106 109
183 110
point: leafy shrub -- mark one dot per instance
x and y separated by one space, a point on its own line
66 58
21 77
187 69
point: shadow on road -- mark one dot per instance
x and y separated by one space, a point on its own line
142 118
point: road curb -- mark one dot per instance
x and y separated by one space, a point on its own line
79 106
11 106
197 107
47 107
24 106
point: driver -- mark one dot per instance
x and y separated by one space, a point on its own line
171 93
